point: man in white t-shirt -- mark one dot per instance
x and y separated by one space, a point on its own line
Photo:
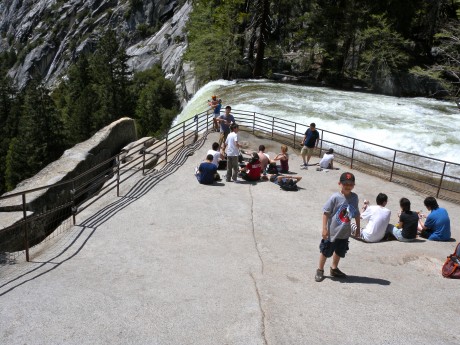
327 162
232 146
215 153
378 218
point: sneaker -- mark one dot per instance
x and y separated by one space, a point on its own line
319 275
335 272
303 165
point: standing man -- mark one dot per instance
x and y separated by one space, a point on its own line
310 141
225 121
232 146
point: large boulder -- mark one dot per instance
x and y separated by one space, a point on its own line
58 195
82 157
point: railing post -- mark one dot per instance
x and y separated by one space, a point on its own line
352 154
143 160
253 122
295 131
166 149
321 144
273 125
440 181
183 133
26 236
73 207
207 122
118 174
393 166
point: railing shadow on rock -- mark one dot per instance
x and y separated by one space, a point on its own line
428 175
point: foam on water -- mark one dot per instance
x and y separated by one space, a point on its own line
418 125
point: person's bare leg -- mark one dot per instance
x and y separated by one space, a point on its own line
322 261
335 261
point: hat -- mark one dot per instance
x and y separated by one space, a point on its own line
347 177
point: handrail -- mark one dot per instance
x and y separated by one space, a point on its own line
445 184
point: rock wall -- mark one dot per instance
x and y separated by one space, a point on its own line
49 35
82 157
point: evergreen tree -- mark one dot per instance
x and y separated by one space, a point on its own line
157 103
39 139
110 74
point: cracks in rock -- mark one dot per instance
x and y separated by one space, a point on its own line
254 232
262 312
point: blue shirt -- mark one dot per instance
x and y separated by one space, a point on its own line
438 223
311 137
206 173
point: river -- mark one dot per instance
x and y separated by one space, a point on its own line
417 125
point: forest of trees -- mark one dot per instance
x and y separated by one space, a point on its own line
339 42
334 41
39 124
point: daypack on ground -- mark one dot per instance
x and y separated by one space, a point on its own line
451 268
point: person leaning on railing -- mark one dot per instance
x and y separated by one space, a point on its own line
437 224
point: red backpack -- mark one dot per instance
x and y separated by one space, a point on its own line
451 268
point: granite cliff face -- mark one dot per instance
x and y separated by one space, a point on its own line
47 36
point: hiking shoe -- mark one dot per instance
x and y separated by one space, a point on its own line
335 272
319 275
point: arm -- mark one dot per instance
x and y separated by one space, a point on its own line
325 232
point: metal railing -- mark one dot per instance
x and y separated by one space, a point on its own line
428 175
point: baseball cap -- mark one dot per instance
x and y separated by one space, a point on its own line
347 177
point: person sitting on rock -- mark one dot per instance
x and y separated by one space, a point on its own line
206 173
283 158
327 162
437 224
252 170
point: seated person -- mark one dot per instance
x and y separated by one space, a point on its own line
207 171
437 224
378 217
215 152
327 162
406 229
283 157
252 170
263 158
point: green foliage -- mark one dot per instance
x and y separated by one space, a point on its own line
156 104
213 37
382 50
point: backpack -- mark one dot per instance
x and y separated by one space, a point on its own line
289 185
272 169
451 268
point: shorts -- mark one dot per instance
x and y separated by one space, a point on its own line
339 246
307 151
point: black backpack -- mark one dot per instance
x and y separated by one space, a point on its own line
289 185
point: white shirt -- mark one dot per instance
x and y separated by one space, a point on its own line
326 160
216 155
378 219
231 142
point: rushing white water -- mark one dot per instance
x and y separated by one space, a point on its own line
418 125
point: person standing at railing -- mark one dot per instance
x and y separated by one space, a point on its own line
216 114
309 142
225 121
437 224
233 150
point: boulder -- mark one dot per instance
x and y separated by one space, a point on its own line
82 157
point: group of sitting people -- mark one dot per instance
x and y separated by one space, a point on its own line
409 225
258 167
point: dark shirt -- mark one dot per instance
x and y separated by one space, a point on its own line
311 137
224 127
206 173
410 222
